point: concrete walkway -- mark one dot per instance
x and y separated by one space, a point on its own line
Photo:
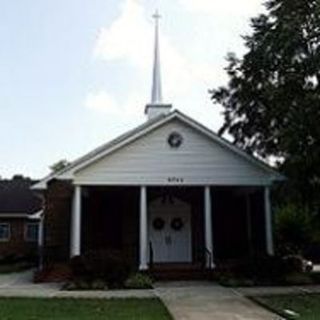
21 285
204 301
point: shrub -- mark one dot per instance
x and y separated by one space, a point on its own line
315 276
228 279
98 285
293 227
260 267
11 258
139 281
8 258
293 264
85 285
79 268
110 266
297 278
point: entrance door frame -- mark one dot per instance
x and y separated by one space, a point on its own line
167 234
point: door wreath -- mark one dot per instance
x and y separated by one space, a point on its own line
158 224
177 224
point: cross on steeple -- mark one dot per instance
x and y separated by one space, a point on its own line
156 15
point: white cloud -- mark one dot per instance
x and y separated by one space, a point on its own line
130 39
102 101
225 7
127 38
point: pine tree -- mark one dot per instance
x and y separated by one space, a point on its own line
271 105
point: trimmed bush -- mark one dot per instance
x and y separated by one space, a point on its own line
139 281
79 268
260 267
297 278
109 266
293 264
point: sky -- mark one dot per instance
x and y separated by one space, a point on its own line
77 73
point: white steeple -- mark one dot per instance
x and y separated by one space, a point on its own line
156 94
156 106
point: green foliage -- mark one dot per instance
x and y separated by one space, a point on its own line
79 284
269 268
272 101
293 229
59 165
107 265
297 278
266 271
293 264
139 281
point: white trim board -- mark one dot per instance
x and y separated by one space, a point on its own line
5 215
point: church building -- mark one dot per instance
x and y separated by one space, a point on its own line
169 192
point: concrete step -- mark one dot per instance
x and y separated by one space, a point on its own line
180 272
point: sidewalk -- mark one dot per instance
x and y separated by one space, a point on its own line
20 285
206 301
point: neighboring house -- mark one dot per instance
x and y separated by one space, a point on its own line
168 192
20 211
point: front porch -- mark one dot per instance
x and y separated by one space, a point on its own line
159 227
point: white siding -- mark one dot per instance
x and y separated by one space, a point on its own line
151 161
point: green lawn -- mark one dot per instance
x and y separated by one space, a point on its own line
82 309
304 306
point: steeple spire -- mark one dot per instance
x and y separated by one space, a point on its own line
156 106
156 93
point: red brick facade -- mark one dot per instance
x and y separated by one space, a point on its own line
57 211
17 244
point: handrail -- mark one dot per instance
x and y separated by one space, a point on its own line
150 255
208 263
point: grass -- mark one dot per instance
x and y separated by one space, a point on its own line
302 307
82 309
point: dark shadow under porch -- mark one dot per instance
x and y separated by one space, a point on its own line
110 220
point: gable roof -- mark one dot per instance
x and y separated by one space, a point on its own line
17 199
136 133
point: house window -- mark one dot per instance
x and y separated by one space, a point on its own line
32 232
4 231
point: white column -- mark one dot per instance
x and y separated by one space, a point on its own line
143 229
75 248
208 226
40 232
41 241
249 222
268 221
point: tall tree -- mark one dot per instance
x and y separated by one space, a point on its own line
271 105
59 165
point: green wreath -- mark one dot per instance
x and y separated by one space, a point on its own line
177 224
158 224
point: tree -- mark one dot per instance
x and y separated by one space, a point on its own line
59 165
271 104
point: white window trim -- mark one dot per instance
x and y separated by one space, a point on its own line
26 225
9 232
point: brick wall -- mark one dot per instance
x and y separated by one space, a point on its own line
58 200
17 245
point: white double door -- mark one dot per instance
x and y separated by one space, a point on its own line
169 229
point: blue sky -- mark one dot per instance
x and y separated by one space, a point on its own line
76 73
